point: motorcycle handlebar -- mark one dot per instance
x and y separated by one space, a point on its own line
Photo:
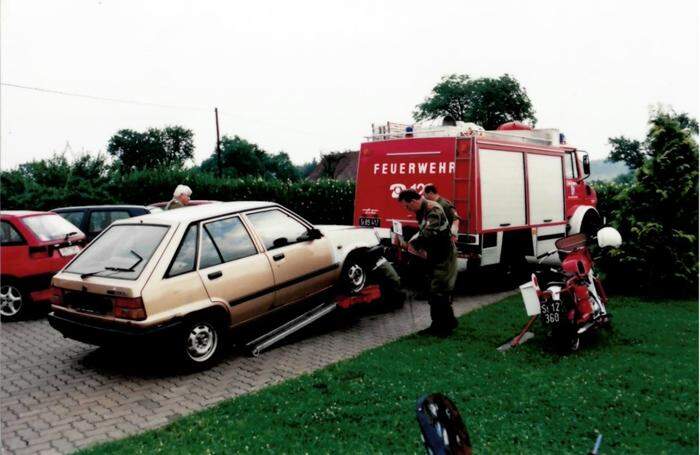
549 253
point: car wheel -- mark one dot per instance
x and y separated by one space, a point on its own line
354 275
201 344
12 302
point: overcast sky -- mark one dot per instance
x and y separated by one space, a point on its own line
311 77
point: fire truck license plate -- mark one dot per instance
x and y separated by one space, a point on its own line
551 312
369 222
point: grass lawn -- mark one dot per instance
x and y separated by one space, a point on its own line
638 386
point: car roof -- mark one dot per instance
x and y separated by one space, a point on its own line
115 206
192 202
197 212
22 213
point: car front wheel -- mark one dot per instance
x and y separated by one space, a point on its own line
354 275
12 302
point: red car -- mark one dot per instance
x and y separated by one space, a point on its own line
33 247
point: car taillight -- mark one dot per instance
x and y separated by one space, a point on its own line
129 308
56 296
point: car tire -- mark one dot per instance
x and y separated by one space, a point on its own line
13 301
201 343
354 275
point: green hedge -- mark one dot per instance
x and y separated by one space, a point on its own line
323 201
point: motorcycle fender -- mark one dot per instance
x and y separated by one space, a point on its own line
555 291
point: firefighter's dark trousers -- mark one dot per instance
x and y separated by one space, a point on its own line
442 283
441 313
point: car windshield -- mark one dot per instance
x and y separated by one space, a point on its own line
122 251
50 227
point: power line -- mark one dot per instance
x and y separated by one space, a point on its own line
167 106
103 98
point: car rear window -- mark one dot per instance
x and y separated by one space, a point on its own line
99 220
49 227
127 247
74 217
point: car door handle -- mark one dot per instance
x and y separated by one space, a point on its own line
215 275
548 220
278 257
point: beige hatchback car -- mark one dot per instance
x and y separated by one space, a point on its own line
193 275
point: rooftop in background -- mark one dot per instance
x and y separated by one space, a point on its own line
337 166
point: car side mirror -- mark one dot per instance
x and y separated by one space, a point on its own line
311 234
586 161
280 242
314 234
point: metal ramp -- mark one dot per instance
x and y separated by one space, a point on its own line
368 294
263 342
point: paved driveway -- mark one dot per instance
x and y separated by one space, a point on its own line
58 395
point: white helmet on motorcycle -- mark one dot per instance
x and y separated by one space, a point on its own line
609 237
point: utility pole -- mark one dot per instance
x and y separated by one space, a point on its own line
218 142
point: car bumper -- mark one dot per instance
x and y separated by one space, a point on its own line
101 334
43 295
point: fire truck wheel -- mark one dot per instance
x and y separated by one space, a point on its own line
354 274
516 271
591 224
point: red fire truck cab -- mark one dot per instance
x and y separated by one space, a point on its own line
517 189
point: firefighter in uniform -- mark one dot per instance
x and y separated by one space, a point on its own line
181 197
434 238
431 194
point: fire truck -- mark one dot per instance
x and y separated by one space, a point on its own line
516 189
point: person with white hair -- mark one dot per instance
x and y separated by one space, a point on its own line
181 197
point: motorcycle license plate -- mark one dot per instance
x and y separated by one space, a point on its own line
369 222
551 312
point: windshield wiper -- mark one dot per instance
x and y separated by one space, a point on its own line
65 239
137 262
85 275
115 269
108 269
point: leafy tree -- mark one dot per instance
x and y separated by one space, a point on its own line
485 101
281 167
657 213
56 181
307 168
626 150
154 148
240 158
635 153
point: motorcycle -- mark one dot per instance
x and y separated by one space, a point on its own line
574 301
